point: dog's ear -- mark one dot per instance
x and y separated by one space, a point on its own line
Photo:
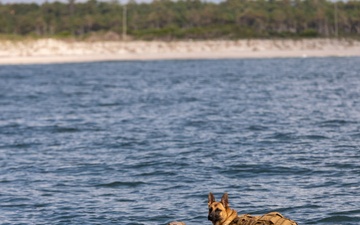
211 198
225 200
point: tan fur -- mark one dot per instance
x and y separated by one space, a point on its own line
221 214
176 223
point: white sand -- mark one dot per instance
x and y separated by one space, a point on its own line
57 51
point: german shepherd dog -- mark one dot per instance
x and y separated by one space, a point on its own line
221 214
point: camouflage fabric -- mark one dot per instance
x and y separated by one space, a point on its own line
272 218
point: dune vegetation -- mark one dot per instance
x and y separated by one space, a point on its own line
182 19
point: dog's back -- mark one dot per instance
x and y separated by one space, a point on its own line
176 223
272 218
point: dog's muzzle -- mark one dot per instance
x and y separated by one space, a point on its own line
213 217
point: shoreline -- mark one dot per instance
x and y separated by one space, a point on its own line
48 51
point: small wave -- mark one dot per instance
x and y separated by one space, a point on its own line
257 128
110 104
116 184
58 129
334 123
282 136
339 219
315 137
157 173
257 170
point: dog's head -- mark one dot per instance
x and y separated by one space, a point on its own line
218 211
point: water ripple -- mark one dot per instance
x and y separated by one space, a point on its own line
144 142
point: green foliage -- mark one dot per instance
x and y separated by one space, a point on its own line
183 19
63 34
310 33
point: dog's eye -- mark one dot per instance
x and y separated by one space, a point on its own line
210 210
217 210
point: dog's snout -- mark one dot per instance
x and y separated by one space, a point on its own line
212 216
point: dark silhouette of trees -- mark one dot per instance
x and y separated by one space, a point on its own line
195 19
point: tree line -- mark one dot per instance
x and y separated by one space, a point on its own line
183 19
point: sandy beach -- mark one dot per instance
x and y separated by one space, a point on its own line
58 51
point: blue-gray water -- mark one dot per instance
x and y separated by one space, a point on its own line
144 142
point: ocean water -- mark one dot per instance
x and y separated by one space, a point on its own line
145 142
